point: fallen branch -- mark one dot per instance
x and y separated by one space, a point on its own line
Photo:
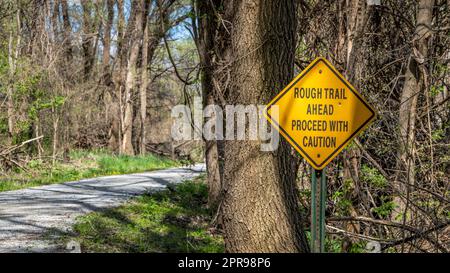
359 236
4 154
15 147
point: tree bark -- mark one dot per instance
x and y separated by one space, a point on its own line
13 55
67 31
115 137
413 86
210 25
130 82
152 36
10 89
87 39
106 56
143 88
111 97
260 207
354 17
54 20
124 39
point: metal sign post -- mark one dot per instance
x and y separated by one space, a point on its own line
318 205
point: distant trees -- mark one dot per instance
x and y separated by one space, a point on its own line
86 53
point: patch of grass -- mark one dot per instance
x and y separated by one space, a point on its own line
83 164
131 164
173 220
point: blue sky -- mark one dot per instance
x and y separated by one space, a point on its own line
176 33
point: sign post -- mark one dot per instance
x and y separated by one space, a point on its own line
319 113
318 205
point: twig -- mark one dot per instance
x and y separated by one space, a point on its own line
341 231
15 147
418 233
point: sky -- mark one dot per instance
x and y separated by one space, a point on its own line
178 32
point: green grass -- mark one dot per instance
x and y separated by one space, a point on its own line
83 164
175 220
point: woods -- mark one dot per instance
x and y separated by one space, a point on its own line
84 75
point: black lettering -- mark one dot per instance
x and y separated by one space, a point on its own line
320 109
319 142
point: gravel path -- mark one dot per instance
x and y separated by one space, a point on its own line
28 217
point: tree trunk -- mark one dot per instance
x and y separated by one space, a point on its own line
54 20
115 137
13 55
143 90
130 82
111 97
260 207
408 107
67 31
209 26
107 43
55 117
10 89
87 39
151 39
354 18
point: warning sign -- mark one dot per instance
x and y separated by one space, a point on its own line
319 113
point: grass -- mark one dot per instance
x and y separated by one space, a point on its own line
173 220
83 164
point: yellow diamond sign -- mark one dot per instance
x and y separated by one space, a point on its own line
319 113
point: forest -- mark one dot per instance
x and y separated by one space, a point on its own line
88 88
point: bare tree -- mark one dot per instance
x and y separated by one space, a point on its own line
414 85
131 74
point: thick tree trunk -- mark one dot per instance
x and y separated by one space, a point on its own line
408 107
260 207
